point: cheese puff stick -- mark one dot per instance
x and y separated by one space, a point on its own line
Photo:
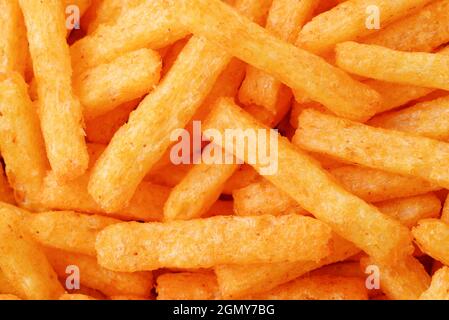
432 236
152 24
22 261
94 276
136 147
429 119
236 281
347 21
256 46
14 55
397 152
107 86
297 174
70 231
203 243
21 140
411 68
403 280
60 111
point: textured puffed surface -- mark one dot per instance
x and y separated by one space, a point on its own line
22 144
149 25
67 230
59 110
422 31
411 68
432 237
348 21
187 286
96 277
373 185
245 40
107 86
22 263
429 119
317 287
396 151
236 281
403 280
205 243
439 287
137 146
303 179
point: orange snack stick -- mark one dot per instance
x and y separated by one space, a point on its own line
69 231
400 153
248 42
22 262
297 174
60 111
203 243
21 140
